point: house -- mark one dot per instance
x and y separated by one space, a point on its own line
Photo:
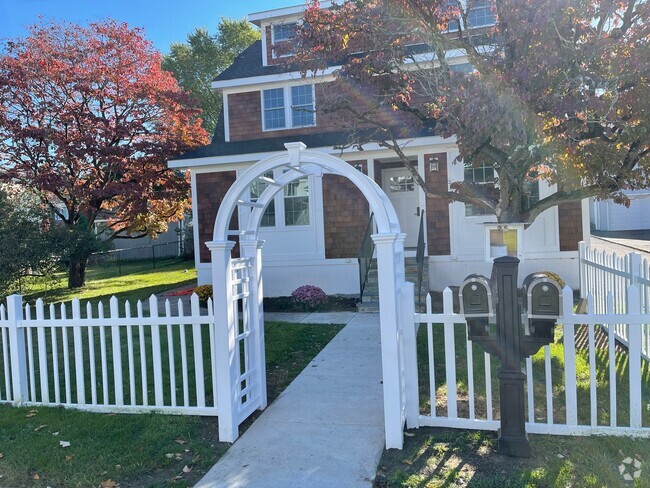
314 229
609 216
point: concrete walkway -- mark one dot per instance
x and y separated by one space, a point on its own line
325 430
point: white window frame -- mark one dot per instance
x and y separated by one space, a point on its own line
518 227
288 112
459 19
274 41
280 216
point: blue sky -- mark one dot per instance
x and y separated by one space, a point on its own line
165 21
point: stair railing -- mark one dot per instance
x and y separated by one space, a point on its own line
419 258
366 252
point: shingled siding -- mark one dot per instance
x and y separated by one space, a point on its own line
345 212
210 191
570 217
245 115
437 208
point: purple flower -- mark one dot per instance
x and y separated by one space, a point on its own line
309 294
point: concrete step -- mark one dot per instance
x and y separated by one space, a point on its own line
368 307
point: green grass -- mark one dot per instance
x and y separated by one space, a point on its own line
434 457
136 450
138 281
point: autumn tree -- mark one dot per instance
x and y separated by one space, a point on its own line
198 61
88 120
555 90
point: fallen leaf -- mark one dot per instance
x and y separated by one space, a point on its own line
109 484
36 476
169 455
187 450
196 459
407 461
408 434
69 457
31 413
64 444
40 427
186 469
177 478
118 466
1 455
180 441
55 433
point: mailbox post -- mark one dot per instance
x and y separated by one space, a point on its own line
510 343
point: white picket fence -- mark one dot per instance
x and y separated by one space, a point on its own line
564 401
56 355
603 274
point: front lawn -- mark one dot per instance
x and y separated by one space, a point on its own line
149 450
136 280
436 457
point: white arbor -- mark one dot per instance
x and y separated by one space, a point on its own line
240 360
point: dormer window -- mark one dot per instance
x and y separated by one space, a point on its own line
288 107
283 32
480 15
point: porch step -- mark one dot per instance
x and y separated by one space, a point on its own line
370 299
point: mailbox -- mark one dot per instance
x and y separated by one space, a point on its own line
543 305
475 299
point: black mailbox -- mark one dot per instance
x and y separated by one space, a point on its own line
543 305
475 299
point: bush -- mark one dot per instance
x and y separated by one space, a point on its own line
204 292
309 295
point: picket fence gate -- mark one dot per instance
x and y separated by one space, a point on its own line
603 273
117 363
597 399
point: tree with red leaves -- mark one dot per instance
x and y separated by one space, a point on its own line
554 90
88 120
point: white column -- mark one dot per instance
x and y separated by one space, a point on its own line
389 318
253 249
225 332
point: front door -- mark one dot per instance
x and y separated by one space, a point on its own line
402 190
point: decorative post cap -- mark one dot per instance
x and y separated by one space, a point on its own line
294 149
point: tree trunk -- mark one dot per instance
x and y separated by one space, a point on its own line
77 273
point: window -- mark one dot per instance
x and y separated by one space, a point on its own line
399 184
504 240
302 106
296 202
287 209
483 175
289 107
283 32
480 15
256 189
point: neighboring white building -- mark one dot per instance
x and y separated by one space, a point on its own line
609 216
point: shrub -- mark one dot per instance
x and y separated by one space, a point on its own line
204 292
309 295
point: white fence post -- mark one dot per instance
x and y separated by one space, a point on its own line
582 269
571 393
635 277
410 356
17 349
225 332
634 337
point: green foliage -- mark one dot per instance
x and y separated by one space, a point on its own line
198 61
28 247
204 292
